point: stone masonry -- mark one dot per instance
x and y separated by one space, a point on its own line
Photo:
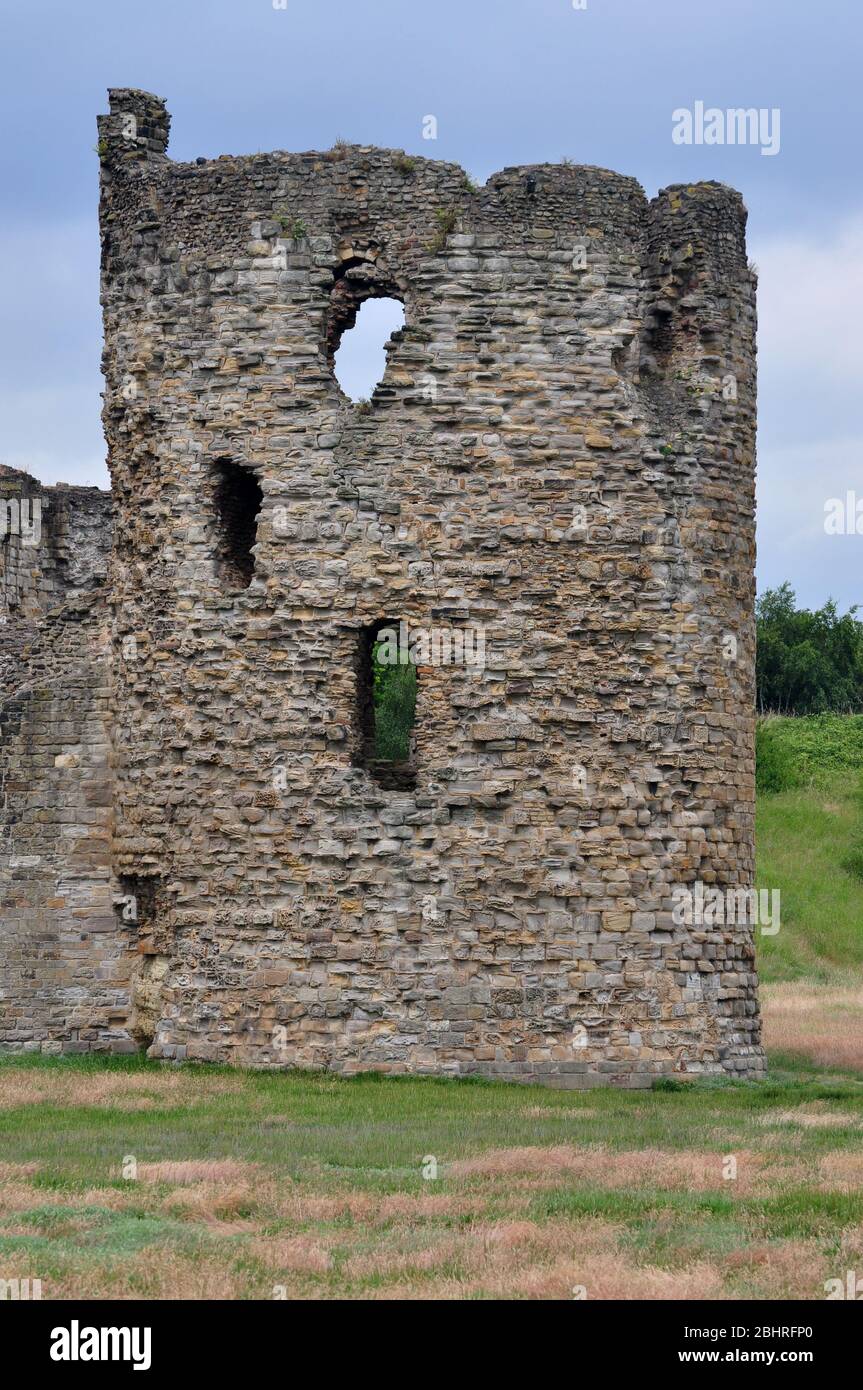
64 967
197 854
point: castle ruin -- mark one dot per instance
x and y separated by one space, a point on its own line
199 852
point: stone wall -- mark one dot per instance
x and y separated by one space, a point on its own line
561 455
64 965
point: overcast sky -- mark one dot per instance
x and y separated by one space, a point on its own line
510 82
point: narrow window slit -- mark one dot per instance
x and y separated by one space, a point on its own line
238 502
387 694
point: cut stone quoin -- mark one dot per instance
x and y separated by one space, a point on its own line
550 456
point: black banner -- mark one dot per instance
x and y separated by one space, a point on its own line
85 1340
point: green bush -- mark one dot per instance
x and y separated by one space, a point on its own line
818 747
775 769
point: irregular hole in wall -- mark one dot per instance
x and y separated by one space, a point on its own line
135 903
361 358
148 978
238 502
670 328
138 907
365 319
386 706
624 358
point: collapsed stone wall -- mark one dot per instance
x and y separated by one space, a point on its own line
561 453
64 966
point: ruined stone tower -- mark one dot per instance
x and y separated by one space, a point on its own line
561 455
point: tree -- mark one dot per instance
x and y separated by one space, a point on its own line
807 662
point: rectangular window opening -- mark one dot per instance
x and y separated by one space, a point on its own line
387 695
238 501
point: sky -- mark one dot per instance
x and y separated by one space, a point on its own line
509 82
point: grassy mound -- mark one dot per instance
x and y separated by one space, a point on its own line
809 839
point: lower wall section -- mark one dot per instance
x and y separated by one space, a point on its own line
65 962
379 974
602 1016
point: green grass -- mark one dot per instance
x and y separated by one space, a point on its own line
80 1227
809 842
806 841
377 1127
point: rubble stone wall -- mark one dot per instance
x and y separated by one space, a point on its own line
65 968
561 457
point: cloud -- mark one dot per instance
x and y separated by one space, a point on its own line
794 484
810 443
49 352
810 304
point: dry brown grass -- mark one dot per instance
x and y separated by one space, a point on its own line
822 1024
9 1171
546 1112
661 1170
210 1201
523 1259
190 1171
814 1114
780 1269
842 1169
293 1254
404 1245
295 1209
160 1272
20 1196
112 1090
372 1209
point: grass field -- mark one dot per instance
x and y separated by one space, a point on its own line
258 1185
251 1184
810 845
